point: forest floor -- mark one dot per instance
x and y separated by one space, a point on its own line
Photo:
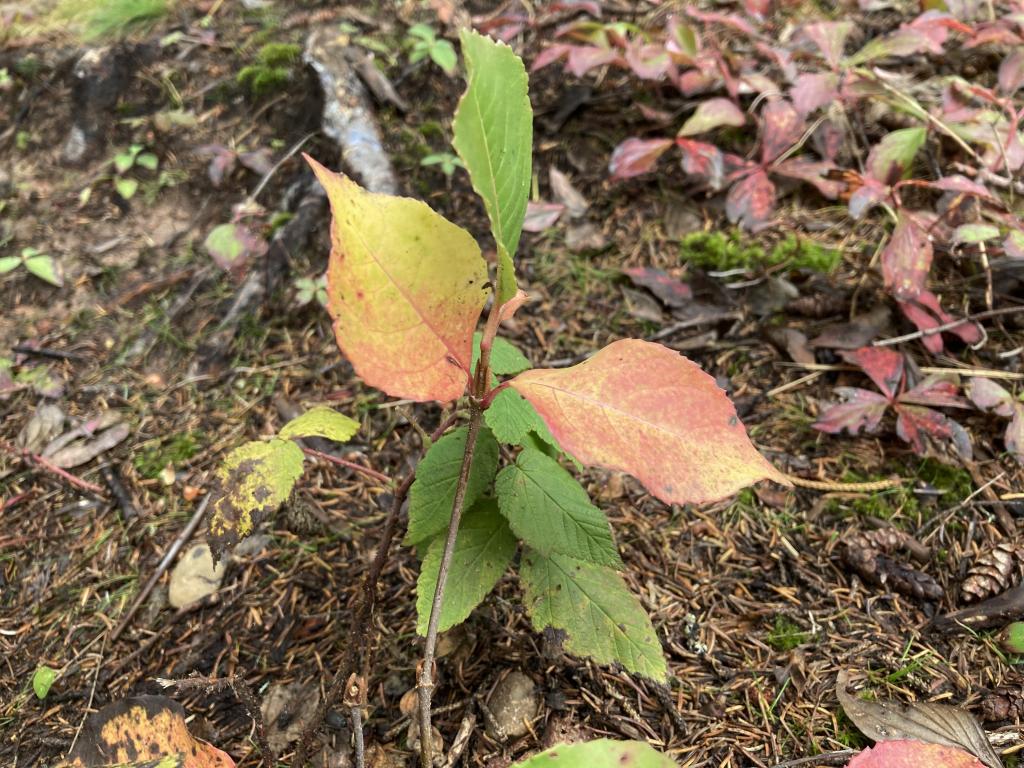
755 605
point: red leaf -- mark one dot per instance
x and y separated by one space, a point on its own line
996 33
1011 72
781 128
731 20
711 114
634 157
989 396
695 81
830 37
583 58
811 172
645 409
914 422
758 8
1013 245
751 201
907 753
550 55
541 216
937 25
828 140
938 391
672 292
925 312
958 183
702 160
649 61
907 258
862 410
883 366
813 90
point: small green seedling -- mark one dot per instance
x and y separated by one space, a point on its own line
309 288
446 162
423 42
43 679
406 290
41 265
133 157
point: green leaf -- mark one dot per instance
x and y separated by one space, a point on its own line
600 753
45 268
483 550
443 54
123 161
126 188
493 129
321 421
433 492
552 512
891 158
9 264
252 482
148 161
592 605
511 418
42 680
506 359
975 233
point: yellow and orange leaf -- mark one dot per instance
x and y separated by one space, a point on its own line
141 730
645 409
405 288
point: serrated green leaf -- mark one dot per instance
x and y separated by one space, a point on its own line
483 549
975 233
600 753
506 359
45 268
126 188
493 129
253 481
552 512
9 264
511 418
42 680
321 421
592 605
433 492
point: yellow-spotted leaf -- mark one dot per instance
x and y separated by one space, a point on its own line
253 481
321 421
143 731
405 288
645 409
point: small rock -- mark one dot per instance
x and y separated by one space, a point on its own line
287 709
195 577
513 704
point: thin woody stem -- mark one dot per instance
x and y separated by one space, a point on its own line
426 678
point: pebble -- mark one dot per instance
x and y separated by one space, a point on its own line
513 704
195 576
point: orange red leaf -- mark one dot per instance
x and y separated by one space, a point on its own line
645 409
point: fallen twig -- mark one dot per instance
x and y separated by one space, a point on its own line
168 557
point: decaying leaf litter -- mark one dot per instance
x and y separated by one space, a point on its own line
753 599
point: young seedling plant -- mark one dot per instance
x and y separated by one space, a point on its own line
406 290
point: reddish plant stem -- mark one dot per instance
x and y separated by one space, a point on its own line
350 464
49 466
362 614
426 680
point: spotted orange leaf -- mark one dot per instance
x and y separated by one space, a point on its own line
647 410
405 288
908 753
143 730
